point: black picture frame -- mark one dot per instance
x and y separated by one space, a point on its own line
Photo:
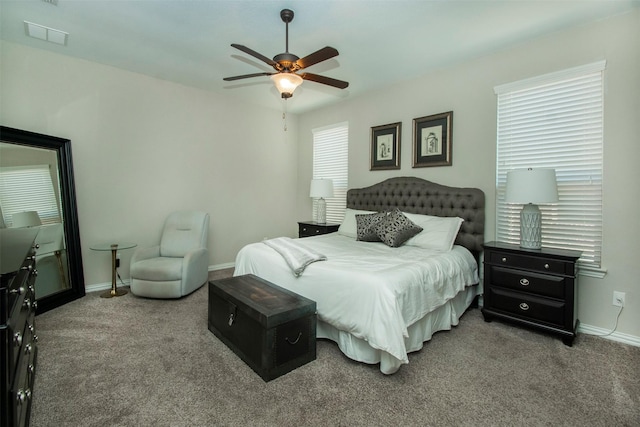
432 140
385 146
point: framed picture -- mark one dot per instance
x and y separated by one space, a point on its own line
385 147
432 140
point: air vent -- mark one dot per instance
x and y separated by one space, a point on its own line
45 33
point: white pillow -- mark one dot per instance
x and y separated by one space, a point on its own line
437 233
349 227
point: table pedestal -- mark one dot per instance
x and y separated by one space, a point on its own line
114 291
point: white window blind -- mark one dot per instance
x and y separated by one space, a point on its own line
555 121
28 189
331 161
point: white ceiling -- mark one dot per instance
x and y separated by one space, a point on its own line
380 42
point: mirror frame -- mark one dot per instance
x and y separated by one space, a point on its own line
69 211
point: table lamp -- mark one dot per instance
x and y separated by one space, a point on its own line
25 219
531 187
321 188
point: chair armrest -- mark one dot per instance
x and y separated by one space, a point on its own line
145 253
195 268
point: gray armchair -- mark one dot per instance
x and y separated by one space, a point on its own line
179 265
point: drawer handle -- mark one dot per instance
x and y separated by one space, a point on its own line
524 282
23 395
317 231
31 368
295 341
17 339
27 349
304 228
524 306
546 266
504 259
19 291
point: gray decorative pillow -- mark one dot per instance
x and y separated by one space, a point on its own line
395 229
364 226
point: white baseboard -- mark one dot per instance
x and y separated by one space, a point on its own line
96 287
222 266
615 336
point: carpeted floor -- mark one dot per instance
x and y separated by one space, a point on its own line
135 362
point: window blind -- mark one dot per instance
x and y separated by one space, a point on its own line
28 189
555 121
331 161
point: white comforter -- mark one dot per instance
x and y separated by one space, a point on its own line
368 289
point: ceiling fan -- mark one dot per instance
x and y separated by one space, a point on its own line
286 64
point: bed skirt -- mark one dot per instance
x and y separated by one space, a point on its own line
441 319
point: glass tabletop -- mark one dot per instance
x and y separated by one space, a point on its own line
113 246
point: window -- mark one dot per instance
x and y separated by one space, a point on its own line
556 121
28 188
331 161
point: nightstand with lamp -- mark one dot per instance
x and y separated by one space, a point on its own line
320 189
528 284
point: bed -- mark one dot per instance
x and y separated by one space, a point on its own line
379 303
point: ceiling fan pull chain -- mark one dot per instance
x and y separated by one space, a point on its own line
284 113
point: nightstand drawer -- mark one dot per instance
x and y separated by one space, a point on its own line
308 229
528 306
536 263
526 281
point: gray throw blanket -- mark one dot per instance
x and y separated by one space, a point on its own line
297 256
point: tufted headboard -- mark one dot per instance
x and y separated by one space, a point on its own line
419 196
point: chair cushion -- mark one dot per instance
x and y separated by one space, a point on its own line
159 269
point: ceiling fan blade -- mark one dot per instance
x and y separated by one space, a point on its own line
340 84
318 56
254 54
246 76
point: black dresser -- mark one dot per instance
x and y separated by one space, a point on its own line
536 288
17 324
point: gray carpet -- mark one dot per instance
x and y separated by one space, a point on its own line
136 362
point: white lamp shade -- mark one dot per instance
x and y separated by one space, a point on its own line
26 219
531 186
321 188
286 83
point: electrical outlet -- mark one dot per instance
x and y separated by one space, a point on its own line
618 299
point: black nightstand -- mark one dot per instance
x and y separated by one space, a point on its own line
537 288
312 228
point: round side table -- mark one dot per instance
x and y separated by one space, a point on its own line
113 247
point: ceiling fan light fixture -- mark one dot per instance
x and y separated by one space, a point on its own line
286 83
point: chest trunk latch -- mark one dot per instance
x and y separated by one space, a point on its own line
232 313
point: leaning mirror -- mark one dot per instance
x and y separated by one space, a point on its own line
37 190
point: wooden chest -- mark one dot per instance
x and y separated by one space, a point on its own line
272 329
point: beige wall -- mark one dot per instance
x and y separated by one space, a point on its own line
467 90
143 147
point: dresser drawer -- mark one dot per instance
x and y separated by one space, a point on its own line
527 306
537 263
526 281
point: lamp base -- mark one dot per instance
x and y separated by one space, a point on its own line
530 227
322 211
